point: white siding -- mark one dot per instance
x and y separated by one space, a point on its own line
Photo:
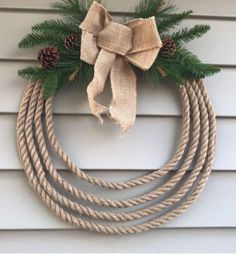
214 209
208 226
161 241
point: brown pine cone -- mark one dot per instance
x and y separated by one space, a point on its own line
71 41
49 57
169 47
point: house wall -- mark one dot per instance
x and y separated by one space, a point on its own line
209 225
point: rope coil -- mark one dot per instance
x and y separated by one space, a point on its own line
195 151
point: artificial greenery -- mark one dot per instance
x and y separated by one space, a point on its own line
177 68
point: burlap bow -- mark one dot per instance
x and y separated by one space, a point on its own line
111 47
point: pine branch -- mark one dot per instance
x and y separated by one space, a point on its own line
33 73
172 69
187 34
207 70
37 73
36 39
153 75
56 27
68 65
192 67
73 10
69 59
165 69
170 21
50 85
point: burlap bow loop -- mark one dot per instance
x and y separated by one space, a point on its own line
111 47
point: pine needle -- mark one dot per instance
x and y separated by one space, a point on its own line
171 21
55 27
189 34
50 85
36 39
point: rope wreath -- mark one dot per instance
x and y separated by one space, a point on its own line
192 164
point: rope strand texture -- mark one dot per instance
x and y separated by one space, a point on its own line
193 158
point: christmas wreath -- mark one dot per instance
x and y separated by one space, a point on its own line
85 46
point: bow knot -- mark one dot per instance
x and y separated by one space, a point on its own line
111 48
116 38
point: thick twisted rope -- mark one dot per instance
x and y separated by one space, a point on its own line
193 158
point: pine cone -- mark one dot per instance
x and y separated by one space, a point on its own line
169 47
71 41
49 57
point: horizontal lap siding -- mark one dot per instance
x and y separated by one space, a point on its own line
150 143
158 241
215 207
147 146
215 8
162 101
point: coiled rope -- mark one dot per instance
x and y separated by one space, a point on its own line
191 166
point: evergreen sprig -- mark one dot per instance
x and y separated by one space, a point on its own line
171 21
56 26
73 11
193 68
33 73
177 68
189 34
36 39
50 86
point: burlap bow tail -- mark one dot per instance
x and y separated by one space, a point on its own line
111 47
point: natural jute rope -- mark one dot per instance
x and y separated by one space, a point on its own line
190 166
